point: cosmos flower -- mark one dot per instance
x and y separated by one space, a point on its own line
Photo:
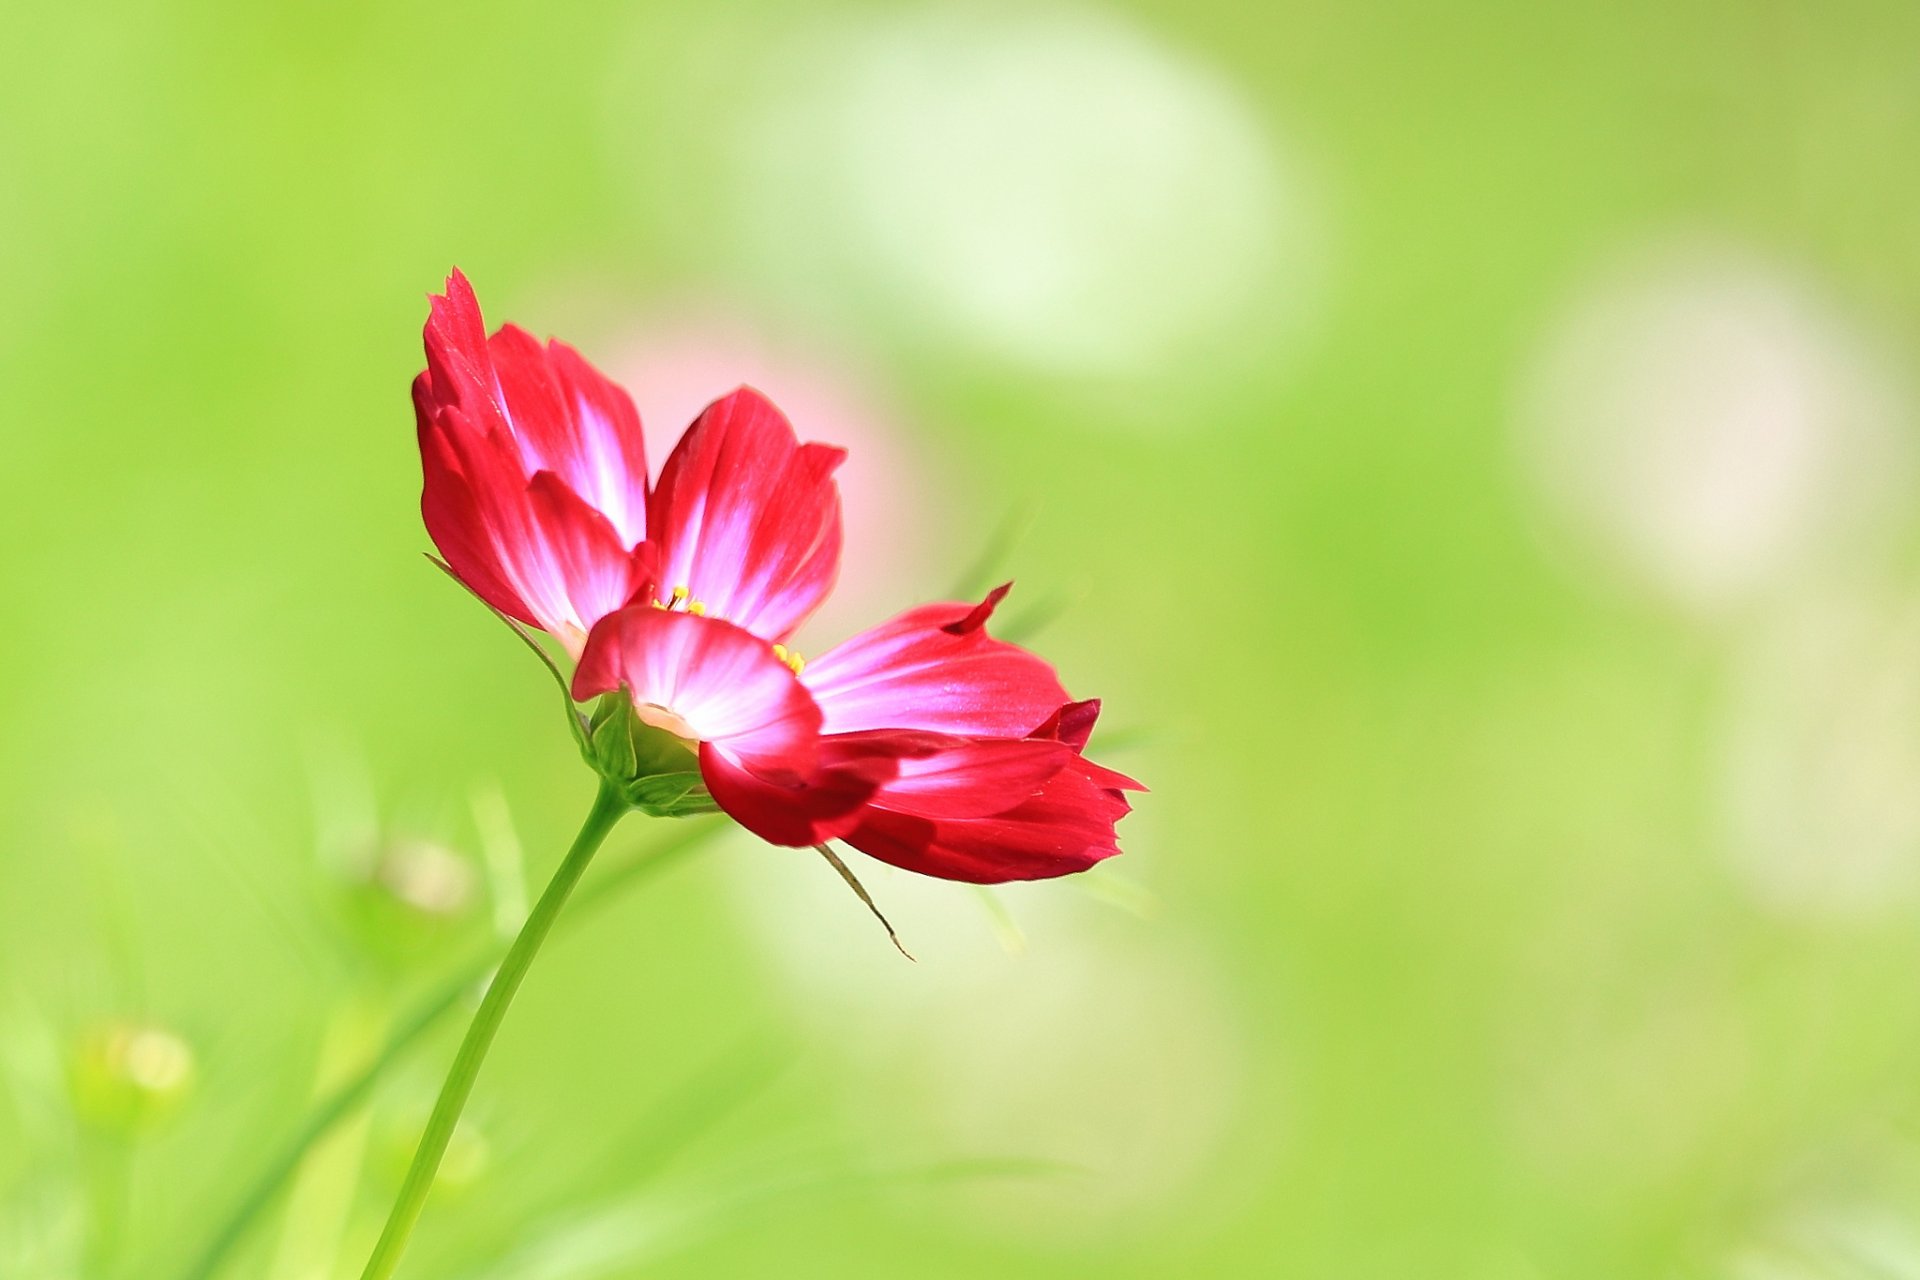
924 741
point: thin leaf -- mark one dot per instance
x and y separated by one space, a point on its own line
1012 940
621 1235
355 1090
505 861
574 719
986 567
853 882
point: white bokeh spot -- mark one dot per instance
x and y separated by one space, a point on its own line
1701 419
1054 186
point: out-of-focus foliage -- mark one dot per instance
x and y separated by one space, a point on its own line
1469 447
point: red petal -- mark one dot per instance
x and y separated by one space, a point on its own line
494 415
566 418
942 776
1073 725
747 518
977 616
1068 826
455 523
926 775
782 807
456 340
722 681
587 571
934 668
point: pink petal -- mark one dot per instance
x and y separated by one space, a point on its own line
607 463
721 681
747 518
935 668
566 418
587 573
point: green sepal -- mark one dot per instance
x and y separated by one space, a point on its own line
654 771
670 795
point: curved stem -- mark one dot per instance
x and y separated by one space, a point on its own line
607 810
351 1093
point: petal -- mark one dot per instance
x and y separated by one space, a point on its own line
567 418
1055 811
928 775
942 776
588 572
495 416
607 463
723 682
1073 725
747 518
532 548
787 808
459 369
1066 827
935 668
452 514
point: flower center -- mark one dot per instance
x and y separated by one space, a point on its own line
670 721
681 599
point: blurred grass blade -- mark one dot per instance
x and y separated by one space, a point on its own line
504 859
620 1237
321 1202
986 569
672 1124
355 1090
1034 619
1006 929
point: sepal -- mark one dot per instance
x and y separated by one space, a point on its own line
654 771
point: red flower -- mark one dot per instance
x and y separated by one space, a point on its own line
924 742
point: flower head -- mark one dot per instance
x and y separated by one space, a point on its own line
924 741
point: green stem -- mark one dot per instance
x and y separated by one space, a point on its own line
348 1097
608 808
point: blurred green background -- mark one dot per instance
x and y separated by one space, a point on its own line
1469 448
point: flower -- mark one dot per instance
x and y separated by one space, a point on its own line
924 741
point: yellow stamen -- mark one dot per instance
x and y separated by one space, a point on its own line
780 652
658 605
696 608
680 594
797 662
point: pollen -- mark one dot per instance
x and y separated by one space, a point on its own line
680 598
